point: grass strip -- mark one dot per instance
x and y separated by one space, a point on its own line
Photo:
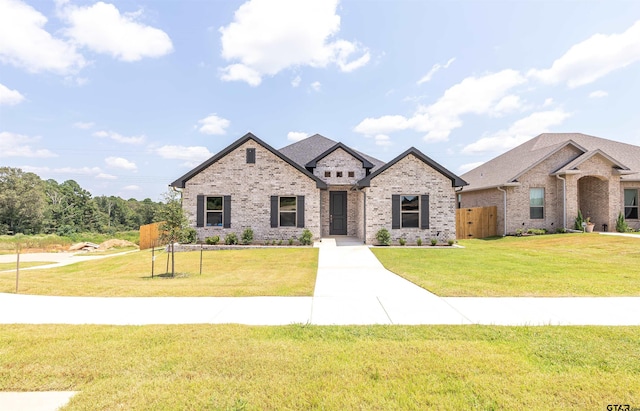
312 367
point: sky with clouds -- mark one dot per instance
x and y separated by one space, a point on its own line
126 96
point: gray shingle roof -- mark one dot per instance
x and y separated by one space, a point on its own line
509 166
310 148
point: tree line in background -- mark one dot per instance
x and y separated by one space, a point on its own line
30 205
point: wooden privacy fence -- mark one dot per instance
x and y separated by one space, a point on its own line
149 235
478 222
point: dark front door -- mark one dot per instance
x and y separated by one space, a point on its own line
337 213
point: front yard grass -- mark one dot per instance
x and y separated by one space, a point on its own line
298 367
232 273
28 264
548 265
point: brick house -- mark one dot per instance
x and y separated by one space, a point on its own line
321 185
545 181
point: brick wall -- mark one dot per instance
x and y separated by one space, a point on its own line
353 209
411 176
339 161
251 187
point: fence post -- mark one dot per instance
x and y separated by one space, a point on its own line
17 266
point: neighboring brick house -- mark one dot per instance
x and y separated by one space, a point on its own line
321 185
545 181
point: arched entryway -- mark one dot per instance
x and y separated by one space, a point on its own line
593 200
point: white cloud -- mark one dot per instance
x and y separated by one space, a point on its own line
547 102
10 97
593 58
132 187
19 145
316 86
519 132
382 140
213 124
473 95
83 125
469 166
102 29
193 155
296 81
436 67
267 37
598 94
25 43
119 137
296 135
105 176
119 162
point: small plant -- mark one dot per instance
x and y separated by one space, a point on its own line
419 242
231 239
188 236
621 224
291 240
247 236
579 221
383 237
561 230
519 232
537 231
280 242
451 242
402 241
434 241
212 240
305 238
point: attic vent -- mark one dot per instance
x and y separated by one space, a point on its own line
251 156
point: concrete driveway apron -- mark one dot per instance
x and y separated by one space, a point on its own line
352 287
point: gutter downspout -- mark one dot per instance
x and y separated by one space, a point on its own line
564 201
505 209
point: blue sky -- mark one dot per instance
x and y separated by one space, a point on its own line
126 96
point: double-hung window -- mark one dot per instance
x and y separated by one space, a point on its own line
287 211
536 203
631 204
214 212
410 211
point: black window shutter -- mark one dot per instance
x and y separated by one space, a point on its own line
300 211
251 156
424 211
200 211
226 211
274 211
395 211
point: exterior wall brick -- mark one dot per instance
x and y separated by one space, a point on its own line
411 176
340 160
486 198
251 187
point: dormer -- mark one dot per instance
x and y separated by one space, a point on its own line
340 165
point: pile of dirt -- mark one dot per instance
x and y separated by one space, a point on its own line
84 246
114 243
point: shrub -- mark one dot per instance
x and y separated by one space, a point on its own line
383 237
561 230
419 242
188 236
247 236
434 241
291 240
537 231
212 240
519 232
579 221
280 242
621 224
451 242
402 241
305 238
231 239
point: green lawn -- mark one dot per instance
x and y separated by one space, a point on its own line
232 367
548 265
248 272
12 266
